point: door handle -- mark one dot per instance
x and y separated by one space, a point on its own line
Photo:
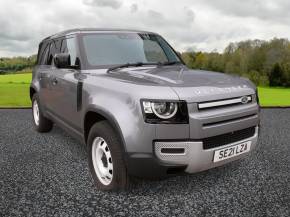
54 81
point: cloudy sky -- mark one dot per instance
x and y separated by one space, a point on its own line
187 24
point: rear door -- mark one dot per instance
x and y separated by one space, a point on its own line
43 75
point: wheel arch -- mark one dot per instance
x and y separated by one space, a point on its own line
32 91
94 115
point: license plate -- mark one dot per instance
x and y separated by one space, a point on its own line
231 151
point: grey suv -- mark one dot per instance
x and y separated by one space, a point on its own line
128 96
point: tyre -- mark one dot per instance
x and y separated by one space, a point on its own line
41 123
106 161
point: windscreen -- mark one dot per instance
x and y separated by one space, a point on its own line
120 48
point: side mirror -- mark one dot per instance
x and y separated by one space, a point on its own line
62 60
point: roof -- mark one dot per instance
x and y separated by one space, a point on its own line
79 30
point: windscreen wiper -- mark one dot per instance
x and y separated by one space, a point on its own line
129 65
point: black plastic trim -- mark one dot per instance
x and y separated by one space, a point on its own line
147 166
228 138
79 95
172 150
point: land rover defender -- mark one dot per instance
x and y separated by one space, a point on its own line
130 99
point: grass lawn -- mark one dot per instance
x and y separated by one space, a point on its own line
14 92
14 95
16 78
274 96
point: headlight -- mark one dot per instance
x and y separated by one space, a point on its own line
165 111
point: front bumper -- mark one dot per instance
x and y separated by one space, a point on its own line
195 159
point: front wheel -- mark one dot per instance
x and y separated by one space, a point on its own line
106 158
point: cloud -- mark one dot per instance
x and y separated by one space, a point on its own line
271 10
104 3
189 14
201 24
134 8
155 15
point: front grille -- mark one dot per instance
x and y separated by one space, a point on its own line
229 120
224 103
228 138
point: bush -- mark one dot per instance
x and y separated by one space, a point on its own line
254 76
263 80
258 78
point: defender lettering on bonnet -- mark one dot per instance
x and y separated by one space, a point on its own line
210 90
138 109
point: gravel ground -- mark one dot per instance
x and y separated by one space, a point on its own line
47 174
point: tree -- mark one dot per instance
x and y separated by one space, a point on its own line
255 59
189 59
276 75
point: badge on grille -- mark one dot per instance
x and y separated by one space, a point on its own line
244 99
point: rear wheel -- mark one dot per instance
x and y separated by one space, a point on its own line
41 123
106 158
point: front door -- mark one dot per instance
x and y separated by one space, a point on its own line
63 88
64 96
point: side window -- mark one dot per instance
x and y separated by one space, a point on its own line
153 51
58 45
68 45
53 49
167 49
44 54
40 52
63 48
